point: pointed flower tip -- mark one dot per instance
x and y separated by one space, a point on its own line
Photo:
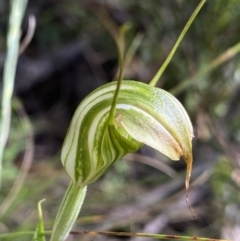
189 160
156 118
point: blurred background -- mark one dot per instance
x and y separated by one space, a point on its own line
72 54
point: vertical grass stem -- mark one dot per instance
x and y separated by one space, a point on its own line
17 11
179 40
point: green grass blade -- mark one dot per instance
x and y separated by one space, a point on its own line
39 234
179 40
221 59
11 236
15 20
27 159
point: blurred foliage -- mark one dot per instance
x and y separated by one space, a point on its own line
13 150
212 101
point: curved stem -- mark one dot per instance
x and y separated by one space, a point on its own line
120 47
179 40
68 212
27 159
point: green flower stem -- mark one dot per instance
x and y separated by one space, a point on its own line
68 212
179 40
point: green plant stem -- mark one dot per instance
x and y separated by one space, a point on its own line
222 58
13 235
120 46
116 234
27 159
68 212
179 40
40 229
137 41
149 235
17 10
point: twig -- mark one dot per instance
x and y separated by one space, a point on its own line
153 236
29 35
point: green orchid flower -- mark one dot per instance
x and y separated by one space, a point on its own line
143 115
114 120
